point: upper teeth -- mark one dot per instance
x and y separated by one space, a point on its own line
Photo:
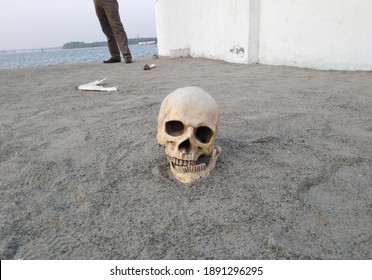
190 168
181 162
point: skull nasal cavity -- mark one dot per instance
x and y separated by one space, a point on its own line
185 146
174 128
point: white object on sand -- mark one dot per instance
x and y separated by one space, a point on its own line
94 86
147 67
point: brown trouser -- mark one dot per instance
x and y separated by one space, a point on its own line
108 15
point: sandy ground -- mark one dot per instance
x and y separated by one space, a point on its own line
82 177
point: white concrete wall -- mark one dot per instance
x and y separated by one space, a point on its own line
218 29
321 34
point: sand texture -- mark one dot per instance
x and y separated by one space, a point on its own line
82 177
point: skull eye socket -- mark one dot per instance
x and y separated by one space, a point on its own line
204 134
174 128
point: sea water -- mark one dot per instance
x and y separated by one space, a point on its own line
54 56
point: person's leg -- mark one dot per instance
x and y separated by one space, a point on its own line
112 11
106 28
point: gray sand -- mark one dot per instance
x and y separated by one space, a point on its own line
82 177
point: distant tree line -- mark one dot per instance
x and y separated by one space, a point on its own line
131 41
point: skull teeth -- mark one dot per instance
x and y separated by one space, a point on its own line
181 162
190 169
186 166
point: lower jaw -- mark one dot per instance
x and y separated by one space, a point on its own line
188 174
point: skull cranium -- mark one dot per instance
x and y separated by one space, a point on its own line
188 123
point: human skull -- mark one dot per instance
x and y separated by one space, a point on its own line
188 123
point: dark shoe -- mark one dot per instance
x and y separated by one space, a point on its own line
113 60
128 59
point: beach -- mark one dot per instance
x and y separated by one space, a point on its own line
82 176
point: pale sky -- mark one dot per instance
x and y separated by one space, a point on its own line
28 24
